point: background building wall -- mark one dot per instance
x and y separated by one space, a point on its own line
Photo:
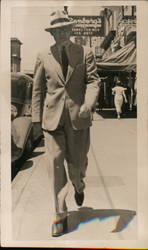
15 55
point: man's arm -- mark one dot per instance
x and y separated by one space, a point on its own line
124 97
39 85
92 85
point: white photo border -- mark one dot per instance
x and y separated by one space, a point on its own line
142 131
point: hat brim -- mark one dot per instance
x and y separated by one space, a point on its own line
60 25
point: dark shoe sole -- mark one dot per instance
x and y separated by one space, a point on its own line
61 232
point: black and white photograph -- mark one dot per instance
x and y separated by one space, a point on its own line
75 123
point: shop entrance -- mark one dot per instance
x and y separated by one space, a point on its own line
108 81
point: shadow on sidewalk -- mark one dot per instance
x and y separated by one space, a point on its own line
88 214
111 114
20 166
24 162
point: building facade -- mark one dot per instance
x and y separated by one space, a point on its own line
119 27
15 55
119 30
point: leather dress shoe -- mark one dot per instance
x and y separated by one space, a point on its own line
59 227
79 198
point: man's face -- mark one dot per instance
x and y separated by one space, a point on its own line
61 34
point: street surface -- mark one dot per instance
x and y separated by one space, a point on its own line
110 206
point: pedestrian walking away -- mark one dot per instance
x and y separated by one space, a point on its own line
118 92
65 91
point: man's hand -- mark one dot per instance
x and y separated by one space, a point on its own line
37 129
84 111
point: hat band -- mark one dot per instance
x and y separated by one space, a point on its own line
59 20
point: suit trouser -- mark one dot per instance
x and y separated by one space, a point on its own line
71 145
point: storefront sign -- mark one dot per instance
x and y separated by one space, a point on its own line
88 26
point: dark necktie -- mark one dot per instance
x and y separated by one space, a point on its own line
64 61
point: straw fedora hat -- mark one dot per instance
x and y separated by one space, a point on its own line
58 19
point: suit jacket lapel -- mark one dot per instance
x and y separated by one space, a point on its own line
75 56
55 60
69 72
72 63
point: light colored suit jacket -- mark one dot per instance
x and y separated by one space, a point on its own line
50 89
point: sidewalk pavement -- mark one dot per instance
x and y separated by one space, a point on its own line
109 209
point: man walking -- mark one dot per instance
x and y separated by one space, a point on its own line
65 92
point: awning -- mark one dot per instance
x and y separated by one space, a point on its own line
123 59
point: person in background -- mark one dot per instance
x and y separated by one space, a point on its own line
66 75
119 94
101 96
